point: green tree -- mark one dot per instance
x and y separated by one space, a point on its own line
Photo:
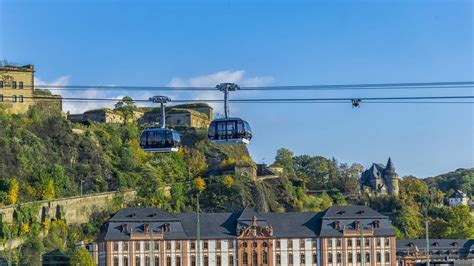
284 158
459 223
126 106
82 257
408 221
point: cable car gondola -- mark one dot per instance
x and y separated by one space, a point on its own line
160 139
229 129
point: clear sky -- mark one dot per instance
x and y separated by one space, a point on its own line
202 43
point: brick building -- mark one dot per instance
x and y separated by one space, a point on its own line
340 235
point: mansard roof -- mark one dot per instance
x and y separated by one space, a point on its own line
225 225
439 248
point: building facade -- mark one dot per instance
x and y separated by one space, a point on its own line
380 179
458 198
16 87
413 252
350 235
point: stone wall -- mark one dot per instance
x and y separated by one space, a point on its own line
75 210
16 87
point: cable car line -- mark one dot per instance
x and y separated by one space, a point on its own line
375 86
270 100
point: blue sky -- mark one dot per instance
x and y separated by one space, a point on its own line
272 43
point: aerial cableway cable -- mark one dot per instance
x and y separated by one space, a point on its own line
377 86
272 100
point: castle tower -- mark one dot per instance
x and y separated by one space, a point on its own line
391 178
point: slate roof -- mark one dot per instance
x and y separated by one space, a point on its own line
224 225
458 194
439 248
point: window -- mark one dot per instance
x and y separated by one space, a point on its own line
358 242
1 83
21 98
157 261
218 244
379 257
125 246
231 260
339 257
125 261
147 245
255 258
377 242
193 245
206 260
303 258
147 261
205 245
290 243
116 261
338 243
278 259
245 259
349 242
14 84
264 244
231 244
244 244
254 244
20 84
387 242
178 261
115 247
387 256
301 243
14 98
218 260
314 243
193 260
329 257
177 245
367 257
290 259
1 97
137 261
278 244
168 245
359 257
157 245
168 261
315 258
329 243
137 245
265 257
349 257
367 242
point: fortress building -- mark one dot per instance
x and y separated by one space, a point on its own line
17 89
380 179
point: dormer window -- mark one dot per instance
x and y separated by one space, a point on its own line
165 227
356 225
124 228
436 244
360 212
337 225
341 212
455 244
146 228
376 224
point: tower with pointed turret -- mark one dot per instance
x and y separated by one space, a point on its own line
380 179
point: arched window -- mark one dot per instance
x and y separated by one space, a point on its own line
178 261
218 260
125 261
255 258
265 257
245 258
193 260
